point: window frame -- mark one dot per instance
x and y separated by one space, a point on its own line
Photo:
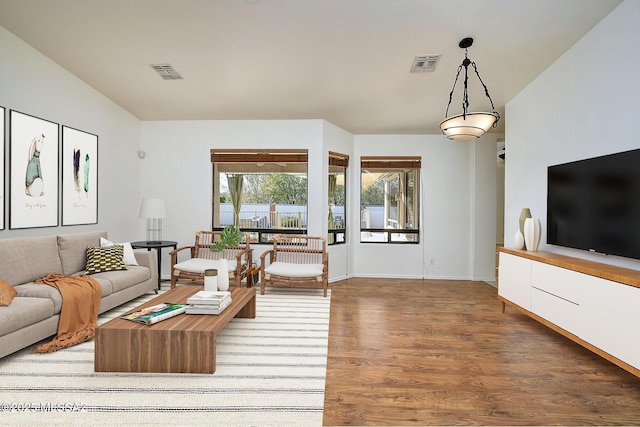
270 160
402 165
338 235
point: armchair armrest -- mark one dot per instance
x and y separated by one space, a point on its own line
246 254
263 258
174 254
325 262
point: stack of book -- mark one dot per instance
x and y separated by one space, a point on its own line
208 302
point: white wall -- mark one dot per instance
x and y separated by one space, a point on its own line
33 84
458 210
340 141
484 194
499 203
458 191
583 105
177 167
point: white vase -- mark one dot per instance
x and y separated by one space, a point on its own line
223 275
532 230
524 214
518 240
211 280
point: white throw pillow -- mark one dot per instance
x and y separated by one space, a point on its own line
128 257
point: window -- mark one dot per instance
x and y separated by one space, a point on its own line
337 224
390 199
263 193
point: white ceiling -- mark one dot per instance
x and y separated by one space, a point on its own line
345 61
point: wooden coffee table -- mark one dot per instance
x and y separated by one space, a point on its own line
182 344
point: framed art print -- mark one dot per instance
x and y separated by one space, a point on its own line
2 120
34 148
79 177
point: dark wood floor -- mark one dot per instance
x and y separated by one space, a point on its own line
428 352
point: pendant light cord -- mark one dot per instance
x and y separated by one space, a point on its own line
446 114
486 92
465 98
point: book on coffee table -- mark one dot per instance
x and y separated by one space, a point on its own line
156 313
209 298
208 306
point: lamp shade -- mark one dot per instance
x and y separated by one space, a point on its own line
153 208
467 126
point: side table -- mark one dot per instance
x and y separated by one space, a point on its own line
158 247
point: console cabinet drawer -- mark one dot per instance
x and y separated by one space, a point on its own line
559 311
565 284
514 280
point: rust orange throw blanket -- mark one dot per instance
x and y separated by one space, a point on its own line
79 314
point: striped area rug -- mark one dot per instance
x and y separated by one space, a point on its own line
270 371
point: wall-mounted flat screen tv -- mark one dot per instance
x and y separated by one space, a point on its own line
594 204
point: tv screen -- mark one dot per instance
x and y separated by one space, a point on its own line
594 204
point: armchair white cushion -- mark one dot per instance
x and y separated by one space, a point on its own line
237 260
295 261
199 265
294 270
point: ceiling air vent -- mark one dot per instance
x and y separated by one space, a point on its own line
166 71
425 63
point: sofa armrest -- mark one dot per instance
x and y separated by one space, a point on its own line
146 258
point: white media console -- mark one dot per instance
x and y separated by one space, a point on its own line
596 305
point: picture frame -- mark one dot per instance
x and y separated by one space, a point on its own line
79 177
2 166
34 171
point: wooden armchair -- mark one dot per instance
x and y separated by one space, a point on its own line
295 261
192 270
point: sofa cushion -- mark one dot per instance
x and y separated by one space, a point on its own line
73 250
23 312
7 292
288 269
107 288
25 259
128 257
121 280
108 258
39 290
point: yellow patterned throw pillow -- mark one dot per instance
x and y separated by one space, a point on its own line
7 292
108 258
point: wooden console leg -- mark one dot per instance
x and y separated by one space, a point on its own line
503 306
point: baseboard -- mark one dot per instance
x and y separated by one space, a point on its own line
387 276
339 278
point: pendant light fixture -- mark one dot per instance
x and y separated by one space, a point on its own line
468 125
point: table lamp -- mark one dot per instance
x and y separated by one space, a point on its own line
153 210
